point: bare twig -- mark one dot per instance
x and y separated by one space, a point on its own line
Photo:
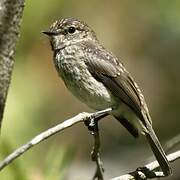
82 117
147 172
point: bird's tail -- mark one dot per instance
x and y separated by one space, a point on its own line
158 151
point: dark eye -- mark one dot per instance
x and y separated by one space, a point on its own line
71 30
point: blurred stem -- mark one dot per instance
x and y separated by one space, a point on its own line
10 18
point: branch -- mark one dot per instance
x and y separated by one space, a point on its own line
91 120
147 172
82 117
10 18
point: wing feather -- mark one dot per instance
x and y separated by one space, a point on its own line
108 70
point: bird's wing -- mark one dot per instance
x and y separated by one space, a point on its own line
107 69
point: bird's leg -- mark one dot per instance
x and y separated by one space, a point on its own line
95 117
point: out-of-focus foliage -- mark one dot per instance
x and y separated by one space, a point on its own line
145 34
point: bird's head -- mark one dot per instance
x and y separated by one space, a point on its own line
68 31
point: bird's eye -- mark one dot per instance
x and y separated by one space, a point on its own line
71 30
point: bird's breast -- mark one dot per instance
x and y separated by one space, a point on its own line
77 78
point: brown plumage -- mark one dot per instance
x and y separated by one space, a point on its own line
99 79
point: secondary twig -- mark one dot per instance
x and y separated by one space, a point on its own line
147 172
82 117
92 125
95 155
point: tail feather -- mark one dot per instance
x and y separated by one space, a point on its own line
129 126
158 151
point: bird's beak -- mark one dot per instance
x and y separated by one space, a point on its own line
49 33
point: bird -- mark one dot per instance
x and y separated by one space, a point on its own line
100 80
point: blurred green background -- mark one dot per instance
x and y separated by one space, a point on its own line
145 35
